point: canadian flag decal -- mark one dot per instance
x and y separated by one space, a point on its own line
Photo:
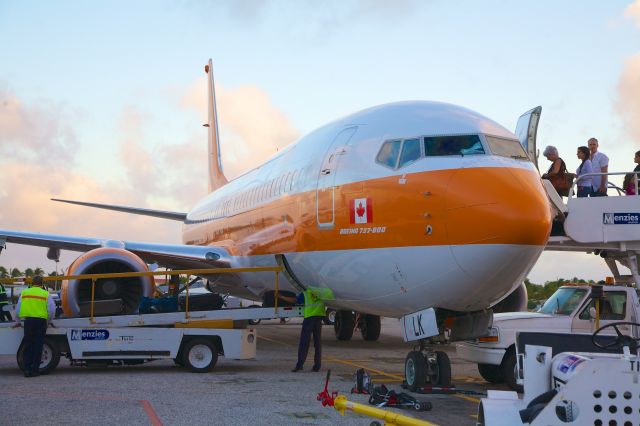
361 210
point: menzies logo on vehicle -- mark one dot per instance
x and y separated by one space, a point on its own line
621 218
91 334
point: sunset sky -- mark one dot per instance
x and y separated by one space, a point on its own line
105 101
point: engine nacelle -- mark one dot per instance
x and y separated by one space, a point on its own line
113 296
516 301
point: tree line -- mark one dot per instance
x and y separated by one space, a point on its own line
538 293
29 272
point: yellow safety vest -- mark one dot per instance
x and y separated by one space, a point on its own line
313 305
34 303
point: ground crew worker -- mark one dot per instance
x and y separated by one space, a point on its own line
314 312
36 307
4 304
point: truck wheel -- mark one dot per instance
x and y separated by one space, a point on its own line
254 321
50 357
370 327
442 374
508 369
330 317
200 355
343 327
491 373
415 370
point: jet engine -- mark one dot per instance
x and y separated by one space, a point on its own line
112 296
516 301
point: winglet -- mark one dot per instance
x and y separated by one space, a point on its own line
216 175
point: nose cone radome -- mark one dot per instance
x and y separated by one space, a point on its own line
498 222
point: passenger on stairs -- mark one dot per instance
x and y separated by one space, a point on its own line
557 173
636 160
629 184
600 163
584 184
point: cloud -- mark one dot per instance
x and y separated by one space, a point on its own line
628 97
633 12
252 129
34 131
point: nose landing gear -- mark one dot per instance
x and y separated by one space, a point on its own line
426 366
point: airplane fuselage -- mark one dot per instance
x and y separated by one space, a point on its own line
390 232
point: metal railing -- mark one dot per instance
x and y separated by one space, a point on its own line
609 184
188 272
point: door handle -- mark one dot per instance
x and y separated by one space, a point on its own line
325 171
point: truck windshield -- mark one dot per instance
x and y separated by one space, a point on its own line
563 302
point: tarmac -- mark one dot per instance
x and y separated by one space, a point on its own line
262 391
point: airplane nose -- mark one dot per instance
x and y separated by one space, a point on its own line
497 223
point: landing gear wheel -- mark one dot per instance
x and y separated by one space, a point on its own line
49 360
415 370
370 327
200 355
343 327
508 369
439 372
491 373
330 317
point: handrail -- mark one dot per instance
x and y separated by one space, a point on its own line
95 277
575 182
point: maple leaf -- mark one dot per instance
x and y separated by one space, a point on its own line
360 210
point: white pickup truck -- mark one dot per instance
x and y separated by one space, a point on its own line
568 310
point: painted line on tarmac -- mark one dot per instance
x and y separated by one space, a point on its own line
468 398
151 413
275 341
355 364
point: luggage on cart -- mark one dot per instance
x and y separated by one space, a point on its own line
202 302
158 305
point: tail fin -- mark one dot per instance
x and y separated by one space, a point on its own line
216 175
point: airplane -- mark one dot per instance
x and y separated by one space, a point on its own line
399 208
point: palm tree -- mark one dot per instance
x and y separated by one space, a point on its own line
15 273
38 271
28 272
3 272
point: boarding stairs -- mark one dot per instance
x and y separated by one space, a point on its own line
605 226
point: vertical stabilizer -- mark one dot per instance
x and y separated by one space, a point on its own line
216 175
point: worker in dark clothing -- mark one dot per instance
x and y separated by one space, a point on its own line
36 307
314 312
4 304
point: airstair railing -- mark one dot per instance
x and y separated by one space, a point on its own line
581 177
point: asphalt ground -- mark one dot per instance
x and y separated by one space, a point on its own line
263 391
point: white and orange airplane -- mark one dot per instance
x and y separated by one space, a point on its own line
397 208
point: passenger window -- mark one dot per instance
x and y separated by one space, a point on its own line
506 147
435 146
410 151
613 307
388 154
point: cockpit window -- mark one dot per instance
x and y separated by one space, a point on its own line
410 151
452 145
388 154
506 147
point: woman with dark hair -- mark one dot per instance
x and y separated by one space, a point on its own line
584 184
629 184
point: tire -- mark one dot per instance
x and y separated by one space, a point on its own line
442 370
254 321
344 324
415 370
200 355
508 369
491 373
50 357
370 327
330 317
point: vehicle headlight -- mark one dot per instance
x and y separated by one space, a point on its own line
492 337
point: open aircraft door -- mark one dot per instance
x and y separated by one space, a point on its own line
325 192
527 130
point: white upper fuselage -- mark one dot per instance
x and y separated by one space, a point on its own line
444 230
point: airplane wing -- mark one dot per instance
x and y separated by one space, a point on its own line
167 255
163 214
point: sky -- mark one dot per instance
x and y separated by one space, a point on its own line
105 101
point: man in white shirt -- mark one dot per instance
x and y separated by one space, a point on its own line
600 163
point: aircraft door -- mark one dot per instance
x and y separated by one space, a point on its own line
527 130
325 191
